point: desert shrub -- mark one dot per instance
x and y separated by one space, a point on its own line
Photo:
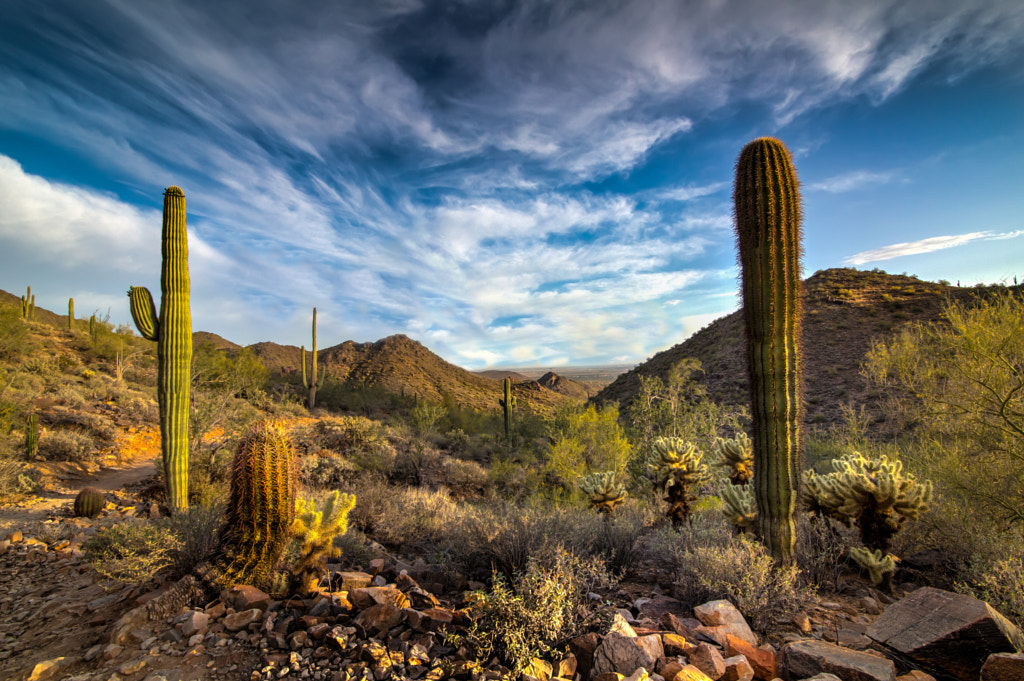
355 547
466 477
456 440
586 440
663 547
744 573
618 541
197 534
820 547
425 415
132 551
51 532
1001 584
410 518
543 605
326 470
351 433
15 476
13 334
66 445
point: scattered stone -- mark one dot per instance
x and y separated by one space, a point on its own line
802 659
366 597
622 654
917 675
761 661
690 673
194 623
723 617
132 667
944 630
1003 667
240 620
706 658
675 645
47 669
243 597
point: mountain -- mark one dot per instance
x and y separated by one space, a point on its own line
845 312
207 338
563 385
502 374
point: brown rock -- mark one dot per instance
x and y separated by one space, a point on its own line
194 623
675 644
622 654
47 669
380 617
944 630
669 669
802 659
609 676
659 606
638 675
567 666
539 669
918 675
724 614
678 625
1003 667
737 669
690 673
584 647
244 597
240 620
364 598
216 609
761 661
706 658
353 580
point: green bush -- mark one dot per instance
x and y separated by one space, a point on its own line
14 338
66 445
131 551
197 534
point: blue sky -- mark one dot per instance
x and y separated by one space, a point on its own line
515 183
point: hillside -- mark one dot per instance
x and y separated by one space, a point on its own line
845 311
565 386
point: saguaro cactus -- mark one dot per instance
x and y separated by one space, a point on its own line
312 384
507 403
261 507
31 436
28 304
767 209
172 331
71 315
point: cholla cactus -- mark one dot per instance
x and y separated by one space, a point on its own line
880 566
604 491
739 507
875 494
737 455
677 468
316 529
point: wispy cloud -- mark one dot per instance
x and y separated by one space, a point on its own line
935 243
851 181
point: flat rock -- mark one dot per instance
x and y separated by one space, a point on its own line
240 620
946 631
622 654
244 597
802 659
1003 667
364 598
737 668
723 617
706 658
761 661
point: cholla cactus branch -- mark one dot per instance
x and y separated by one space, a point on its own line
677 468
736 454
604 491
316 530
739 507
880 566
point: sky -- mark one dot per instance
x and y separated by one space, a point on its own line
509 182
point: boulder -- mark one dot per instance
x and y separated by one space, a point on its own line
1003 667
379 618
623 654
761 661
706 658
240 620
584 647
737 669
725 619
364 598
690 673
802 659
244 597
945 631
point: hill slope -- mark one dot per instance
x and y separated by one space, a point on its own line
845 311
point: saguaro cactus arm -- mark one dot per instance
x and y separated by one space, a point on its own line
143 313
768 228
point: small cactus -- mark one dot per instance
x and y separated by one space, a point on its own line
739 507
92 327
677 468
507 403
736 454
880 566
89 502
261 507
31 436
874 494
316 530
604 492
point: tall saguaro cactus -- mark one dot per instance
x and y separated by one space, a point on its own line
768 216
507 403
71 315
28 304
172 331
312 384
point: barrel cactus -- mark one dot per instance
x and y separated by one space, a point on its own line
605 493
89 502
768 218
737 455
316 530
677 467
172 331
261 507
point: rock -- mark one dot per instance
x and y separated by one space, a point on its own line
802 621
609 676
802 659
368 596
723 616
132 666
194 623
567 666
761 661
622 654
47 669
917 675
584 647
668 669
349 581
622 626
706 658
380 617
111 650
655 608
824 676
690 673
1003 667
675 645
638 675
539 669
737 669
244 597
240 620
943 630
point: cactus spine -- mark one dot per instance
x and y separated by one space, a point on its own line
312 384
261 507
89 503
507 403
71 315
768 217
32 436
172 331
